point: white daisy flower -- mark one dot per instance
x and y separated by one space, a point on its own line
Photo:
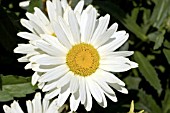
34 106
82 59
38 23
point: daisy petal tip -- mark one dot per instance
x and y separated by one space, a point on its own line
134 65
125 91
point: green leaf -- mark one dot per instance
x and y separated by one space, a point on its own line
35 3
159 40
15 86
132 82
148 71
125 19
157 37
147 103
160 12
166 44
166 102
167 54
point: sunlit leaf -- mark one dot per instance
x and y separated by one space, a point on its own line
147 103
15 86
148 71
167 54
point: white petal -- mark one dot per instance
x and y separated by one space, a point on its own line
119 88
88 103
101 28
49 60
52 93
41 85
102 83
35 78
114 27
24 48
52 108
29 106
113 60
28 66
45 104
109 77
61 35
94 89
26 24
58 83
116 67
74 103
82 89
7 109
64 4
37 103
103 38
55 42
118 34
36 28
51 50
74 84
111 97
51 11
112 46
58 7
35 18
23 59
65 79
15 107
66 30
88 20
74 27
117 53
28 36
34 58
79 7
24 4
104 101
42 68
65 15
41 16
54 74
63 97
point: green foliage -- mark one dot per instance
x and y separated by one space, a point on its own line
167 54
15 86
147 103
166 102
132 82
148 71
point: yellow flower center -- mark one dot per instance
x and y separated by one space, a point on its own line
53 34
83 59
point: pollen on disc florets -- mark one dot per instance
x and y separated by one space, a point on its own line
83 59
